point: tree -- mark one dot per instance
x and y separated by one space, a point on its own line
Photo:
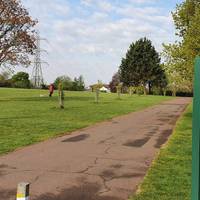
119 90
179 57
95 88
178 70
21 80
78 83
75 84
61 95
114 82
141 65
66 82
5 80
183 15
160 82
16 34
81 83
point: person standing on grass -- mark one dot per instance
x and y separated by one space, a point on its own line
51 90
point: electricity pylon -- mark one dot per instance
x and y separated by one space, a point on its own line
37 75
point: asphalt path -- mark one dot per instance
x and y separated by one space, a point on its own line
106 161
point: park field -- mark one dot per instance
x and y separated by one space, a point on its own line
170 176
30 116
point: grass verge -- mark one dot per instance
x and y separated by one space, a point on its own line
169 178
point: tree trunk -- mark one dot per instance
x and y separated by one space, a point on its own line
119 93
97 95
60 95
61 99
130 92
138 91
145 90
174 92
164 92
149 87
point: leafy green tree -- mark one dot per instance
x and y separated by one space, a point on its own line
141 64
66 82
179 57
160 82
79 82
21 80
183 15
75 84
132 90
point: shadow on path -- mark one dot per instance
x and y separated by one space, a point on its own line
88 191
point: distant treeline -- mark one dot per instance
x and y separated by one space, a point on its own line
22 80
77 84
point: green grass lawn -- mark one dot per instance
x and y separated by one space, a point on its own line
170 175
27 117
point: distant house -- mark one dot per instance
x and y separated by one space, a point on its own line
104 89
88 88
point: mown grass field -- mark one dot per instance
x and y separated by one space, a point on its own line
170 175
30 116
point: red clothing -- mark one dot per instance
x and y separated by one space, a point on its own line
51 88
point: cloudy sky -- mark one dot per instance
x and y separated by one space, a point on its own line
90 37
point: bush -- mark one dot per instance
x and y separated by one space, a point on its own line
5 83
22 84
21 80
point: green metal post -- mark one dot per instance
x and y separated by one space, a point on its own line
196 132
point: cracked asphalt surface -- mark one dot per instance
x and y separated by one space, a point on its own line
106 161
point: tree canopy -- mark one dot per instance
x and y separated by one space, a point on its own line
65 80
141 65
179 57
16 34
78 84
68 84
21 80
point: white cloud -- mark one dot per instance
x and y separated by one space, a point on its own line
91 37
86 2
104 5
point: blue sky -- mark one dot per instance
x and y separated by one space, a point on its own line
90 37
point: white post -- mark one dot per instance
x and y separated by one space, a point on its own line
23 191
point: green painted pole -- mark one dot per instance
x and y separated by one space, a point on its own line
196 132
